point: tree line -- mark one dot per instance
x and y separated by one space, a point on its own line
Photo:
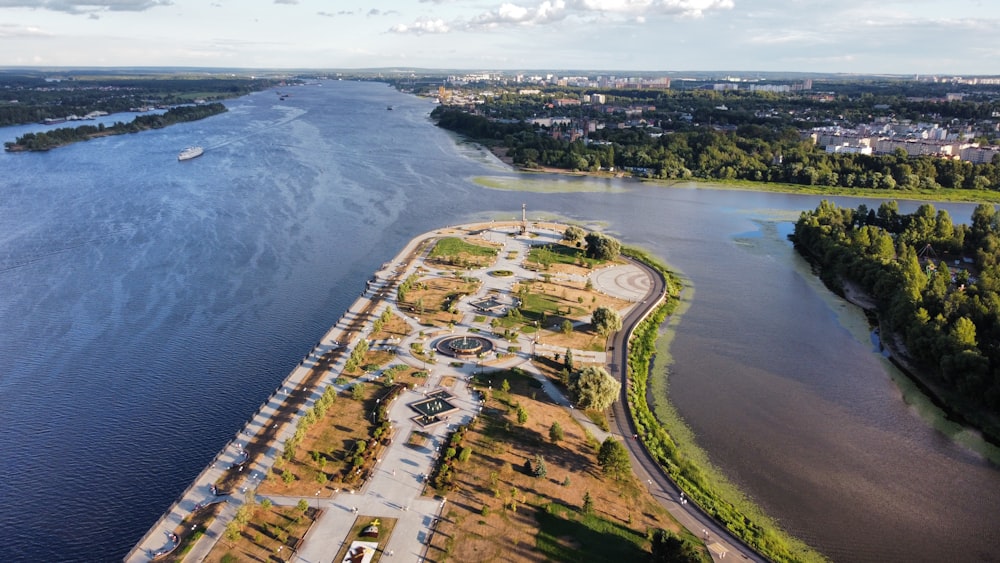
748 152
46 140
937 285
37 100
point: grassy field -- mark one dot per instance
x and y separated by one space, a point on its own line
498 511
528 183
454 251
565 534
943 195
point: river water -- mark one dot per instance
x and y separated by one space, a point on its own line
148 306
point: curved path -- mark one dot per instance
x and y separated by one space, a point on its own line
719 540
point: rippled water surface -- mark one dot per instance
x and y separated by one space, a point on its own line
147 306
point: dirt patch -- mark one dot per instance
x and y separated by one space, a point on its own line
324 450
491 511
270 533
431 300
396 327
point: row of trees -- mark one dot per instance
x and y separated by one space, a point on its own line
63 136
946 314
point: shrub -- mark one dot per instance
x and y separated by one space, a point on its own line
555 432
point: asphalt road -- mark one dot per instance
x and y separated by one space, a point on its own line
645 467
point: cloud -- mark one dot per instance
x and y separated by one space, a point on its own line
511 14
547 12
86 6
14 31
286 1
645 8
421 27
377 12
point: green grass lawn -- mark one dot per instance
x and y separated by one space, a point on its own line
557 254
454 246
566 535
535 304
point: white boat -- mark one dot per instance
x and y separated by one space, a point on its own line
190 152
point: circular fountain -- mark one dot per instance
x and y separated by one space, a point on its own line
464 346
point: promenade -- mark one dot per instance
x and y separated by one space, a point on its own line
396 488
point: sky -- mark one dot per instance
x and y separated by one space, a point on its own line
925 37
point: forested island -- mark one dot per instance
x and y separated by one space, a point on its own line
937 289
35 96
46 140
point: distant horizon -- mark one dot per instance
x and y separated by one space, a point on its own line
766 74
893 37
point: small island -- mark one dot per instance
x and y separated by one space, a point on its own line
48 140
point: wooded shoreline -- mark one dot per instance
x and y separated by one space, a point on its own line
48 140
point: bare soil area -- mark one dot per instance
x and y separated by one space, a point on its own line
492 512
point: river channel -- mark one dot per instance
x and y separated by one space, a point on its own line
148 306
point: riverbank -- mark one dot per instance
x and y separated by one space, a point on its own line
955 408
669 441
943 195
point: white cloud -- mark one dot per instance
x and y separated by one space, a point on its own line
643 8
421 27
507 14
286 1
12 31
86 6
511 14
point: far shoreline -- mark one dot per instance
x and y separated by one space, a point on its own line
942 196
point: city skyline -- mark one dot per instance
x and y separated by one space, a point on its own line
848 36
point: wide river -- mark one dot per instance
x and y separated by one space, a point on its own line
148 306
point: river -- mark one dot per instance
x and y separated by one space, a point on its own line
148 306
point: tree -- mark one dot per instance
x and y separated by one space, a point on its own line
613 458
568 359
606 320
602 247
539 470
669 548
567 326
555 432
505 386
233 530
588 503
522 415
573 234
594 388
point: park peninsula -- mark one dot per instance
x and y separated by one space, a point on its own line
472 404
